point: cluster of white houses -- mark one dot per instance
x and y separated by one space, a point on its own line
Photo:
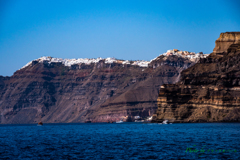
68 62
186 54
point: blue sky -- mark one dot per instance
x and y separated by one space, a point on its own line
124 29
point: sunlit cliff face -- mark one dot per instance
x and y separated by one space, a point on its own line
209 91
225 40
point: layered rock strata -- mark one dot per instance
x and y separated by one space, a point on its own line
209 91
56 90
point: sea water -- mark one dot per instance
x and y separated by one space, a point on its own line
121 141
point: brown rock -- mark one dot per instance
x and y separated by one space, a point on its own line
225 40
209 90
97 92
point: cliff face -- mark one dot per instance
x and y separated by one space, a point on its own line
55 90
209 91
225 40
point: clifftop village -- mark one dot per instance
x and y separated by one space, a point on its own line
186 54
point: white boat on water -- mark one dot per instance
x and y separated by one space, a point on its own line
165 122
119 121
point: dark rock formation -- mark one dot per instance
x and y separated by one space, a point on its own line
209 91
97 92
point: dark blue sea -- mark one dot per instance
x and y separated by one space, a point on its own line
121 141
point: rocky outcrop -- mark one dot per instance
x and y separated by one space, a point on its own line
209 91
56 90
225 40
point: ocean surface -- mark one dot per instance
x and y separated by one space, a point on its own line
121 141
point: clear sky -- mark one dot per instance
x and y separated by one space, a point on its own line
124 29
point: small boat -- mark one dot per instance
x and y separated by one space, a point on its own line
165 122
119 121
40 123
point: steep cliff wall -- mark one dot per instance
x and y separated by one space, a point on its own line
225 40
209 91
55 90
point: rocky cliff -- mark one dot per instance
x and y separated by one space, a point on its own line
209 91
225 40
56 90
